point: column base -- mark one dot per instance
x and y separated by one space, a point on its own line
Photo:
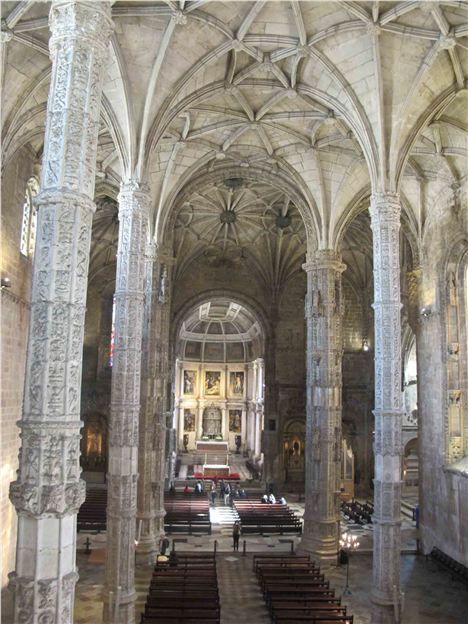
125 611
383 615
146 552
384 598
322 550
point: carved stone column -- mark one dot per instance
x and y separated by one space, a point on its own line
153 412
48 491
385 223
324 382
134 204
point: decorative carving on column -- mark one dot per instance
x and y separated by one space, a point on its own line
154 399
134 205
48 491
453 363
385 223
324 384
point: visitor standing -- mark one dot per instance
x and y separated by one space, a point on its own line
236 531
163 544
227 492
213 493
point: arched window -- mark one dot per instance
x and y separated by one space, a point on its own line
28 226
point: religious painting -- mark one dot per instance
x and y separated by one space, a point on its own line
235 420
190 381
236 383
212 383
189 420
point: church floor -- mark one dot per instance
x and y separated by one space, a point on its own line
430 596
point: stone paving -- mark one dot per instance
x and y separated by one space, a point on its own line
430 596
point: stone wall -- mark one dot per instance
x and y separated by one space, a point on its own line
443 483
15 319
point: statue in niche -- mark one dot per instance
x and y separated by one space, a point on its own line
316 302
212 421
316 445
452 289
162 295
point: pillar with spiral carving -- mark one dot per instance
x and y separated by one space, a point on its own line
48 491
323 428
119 591
385 222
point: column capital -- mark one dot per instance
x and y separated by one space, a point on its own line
134 199
132 188
324 259
151 251
90 21
385 206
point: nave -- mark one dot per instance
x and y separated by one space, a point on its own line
233 230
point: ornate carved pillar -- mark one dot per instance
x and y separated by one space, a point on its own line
385 223
324 382
134 204
48 491
154 399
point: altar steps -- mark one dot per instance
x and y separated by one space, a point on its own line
223 515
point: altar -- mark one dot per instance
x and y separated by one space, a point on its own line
212 446
216 470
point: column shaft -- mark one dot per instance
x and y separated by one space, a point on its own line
385 223
153 413
134 203
323 428
48 491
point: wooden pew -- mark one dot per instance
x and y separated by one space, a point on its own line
92 513
186 592
296 591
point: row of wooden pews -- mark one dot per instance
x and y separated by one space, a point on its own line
296 591
92 513
184 591
187 513
256 517
360 513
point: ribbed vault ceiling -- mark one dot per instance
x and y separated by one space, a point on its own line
240 221
335 96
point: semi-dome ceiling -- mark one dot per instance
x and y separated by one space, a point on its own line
220 330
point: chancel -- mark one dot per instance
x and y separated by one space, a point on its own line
234 290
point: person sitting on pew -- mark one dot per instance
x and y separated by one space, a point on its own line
282 501
173 560
264 498
242 493
198 487
186 489
272 499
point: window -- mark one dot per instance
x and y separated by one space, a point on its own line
28 227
